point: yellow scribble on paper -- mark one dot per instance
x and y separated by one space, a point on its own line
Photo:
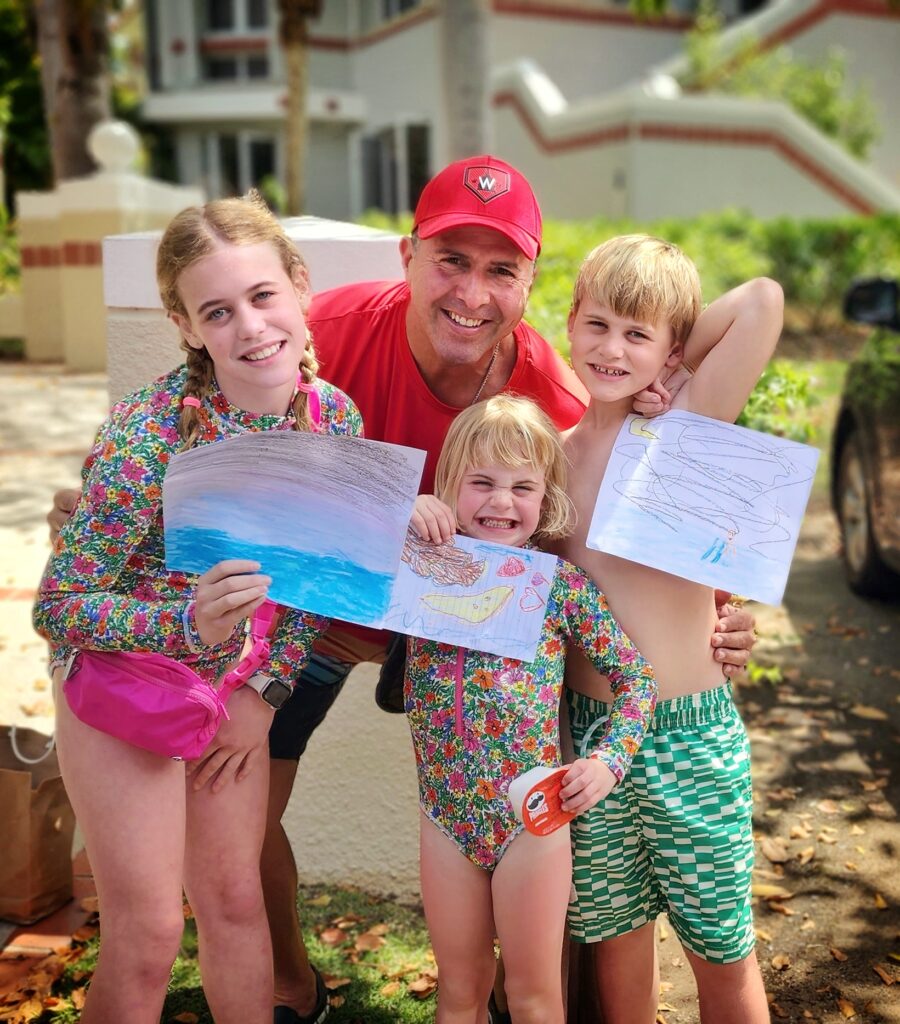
639 428
474 608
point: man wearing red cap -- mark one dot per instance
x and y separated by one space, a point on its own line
412 355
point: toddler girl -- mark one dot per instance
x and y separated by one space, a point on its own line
502 476
237 289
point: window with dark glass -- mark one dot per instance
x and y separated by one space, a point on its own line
220 15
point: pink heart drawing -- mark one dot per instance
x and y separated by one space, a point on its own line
538 578
531 600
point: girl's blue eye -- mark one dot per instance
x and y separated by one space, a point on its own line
264 295
215 314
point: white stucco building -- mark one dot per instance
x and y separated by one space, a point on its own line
580 101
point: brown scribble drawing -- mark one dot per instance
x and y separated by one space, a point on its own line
446 564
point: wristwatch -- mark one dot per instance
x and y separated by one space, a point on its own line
273 691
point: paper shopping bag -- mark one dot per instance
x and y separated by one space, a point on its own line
36 828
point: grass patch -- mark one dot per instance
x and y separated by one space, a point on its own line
375 948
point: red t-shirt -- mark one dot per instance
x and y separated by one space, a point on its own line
359 331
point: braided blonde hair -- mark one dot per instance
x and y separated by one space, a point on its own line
195 233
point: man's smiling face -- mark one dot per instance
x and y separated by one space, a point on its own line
469 287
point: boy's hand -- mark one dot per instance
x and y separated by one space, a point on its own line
226 593
658 398
64 502
432 519
734 636
586 783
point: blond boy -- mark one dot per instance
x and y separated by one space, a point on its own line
676 836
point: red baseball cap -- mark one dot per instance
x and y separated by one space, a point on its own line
482 190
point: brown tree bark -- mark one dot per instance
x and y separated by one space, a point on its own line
73 42
294 36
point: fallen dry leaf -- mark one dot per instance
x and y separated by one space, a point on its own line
808 925
763 935
770 892
837 954
880 901
824 837
319 901
828 807
775 850
779 1011
847 1009
332 982
865 711
332 937
391 988
800 832
781 961
884 974
367 942
422 987
855 830
806 854
336 1001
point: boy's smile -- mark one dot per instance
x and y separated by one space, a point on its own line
615 356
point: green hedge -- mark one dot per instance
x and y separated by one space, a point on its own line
813 260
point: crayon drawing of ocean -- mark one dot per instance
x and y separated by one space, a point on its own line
326 585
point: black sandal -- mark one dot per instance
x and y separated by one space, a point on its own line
285 1015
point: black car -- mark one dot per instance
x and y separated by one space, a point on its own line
865 455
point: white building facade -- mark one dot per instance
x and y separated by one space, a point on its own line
576 103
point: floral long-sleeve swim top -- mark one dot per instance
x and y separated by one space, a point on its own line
106 586
479 720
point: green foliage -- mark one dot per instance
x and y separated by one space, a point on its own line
26 149
779 402
818 90
406 953
10 267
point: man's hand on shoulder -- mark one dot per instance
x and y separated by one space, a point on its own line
64 502
734 635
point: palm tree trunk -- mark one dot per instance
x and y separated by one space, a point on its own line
294 36
73 41
465 53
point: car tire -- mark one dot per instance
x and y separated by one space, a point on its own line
866 573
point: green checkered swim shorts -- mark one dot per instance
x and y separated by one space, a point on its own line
675 836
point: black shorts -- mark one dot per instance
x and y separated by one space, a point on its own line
315 691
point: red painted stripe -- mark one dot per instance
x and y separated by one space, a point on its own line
39 256
700 134
825 9
376 35
564 12
234 44
82 254
618 133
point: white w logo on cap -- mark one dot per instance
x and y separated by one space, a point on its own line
487 183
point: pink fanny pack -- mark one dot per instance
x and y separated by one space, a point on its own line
153 702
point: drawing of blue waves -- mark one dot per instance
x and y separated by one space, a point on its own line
300 579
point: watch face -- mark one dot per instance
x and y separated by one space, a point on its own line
276 693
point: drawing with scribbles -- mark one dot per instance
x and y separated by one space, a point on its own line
472 593
709 501
325 516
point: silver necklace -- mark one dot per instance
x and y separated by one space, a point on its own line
487 372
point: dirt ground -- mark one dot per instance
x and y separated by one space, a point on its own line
824 725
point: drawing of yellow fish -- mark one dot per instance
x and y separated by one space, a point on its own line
474 608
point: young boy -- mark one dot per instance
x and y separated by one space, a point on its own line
676 835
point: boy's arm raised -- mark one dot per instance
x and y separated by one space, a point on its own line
728 349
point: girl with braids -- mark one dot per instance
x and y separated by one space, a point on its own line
237 290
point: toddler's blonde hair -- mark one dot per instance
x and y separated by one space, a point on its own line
513 432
